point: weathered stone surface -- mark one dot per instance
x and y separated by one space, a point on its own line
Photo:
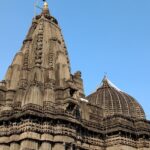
43 106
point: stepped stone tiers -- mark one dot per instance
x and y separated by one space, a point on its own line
43 106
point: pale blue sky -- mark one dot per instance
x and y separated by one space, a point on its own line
110 36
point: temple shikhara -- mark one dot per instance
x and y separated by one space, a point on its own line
43 105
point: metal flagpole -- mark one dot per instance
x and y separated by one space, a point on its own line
37 6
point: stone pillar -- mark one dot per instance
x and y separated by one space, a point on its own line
4 147
14 146
27 144
59 146
46 146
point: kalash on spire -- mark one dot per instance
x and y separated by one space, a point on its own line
45 9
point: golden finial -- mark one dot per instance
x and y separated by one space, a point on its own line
45 9
45 5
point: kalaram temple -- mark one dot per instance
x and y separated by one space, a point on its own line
43 105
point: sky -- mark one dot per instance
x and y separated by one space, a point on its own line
102 36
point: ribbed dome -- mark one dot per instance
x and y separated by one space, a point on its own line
115 102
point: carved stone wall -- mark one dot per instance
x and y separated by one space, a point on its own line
43 106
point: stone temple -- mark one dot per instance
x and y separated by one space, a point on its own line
43 105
